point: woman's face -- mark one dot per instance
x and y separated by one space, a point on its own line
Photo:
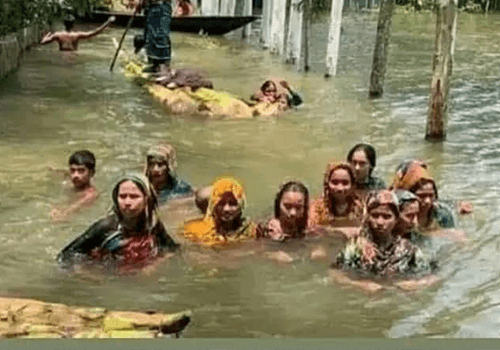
382 220
131 200
292 207
158 170
426 196
269 90
408 215
340 183
227 209
360 166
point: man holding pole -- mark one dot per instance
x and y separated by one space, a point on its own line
157 33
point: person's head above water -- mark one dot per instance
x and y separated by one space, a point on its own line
269 88
382 213
161 164
226 201
69 22
82 168
291 205
363 159
133 199
408 211
338 181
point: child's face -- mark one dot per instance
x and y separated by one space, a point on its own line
292 207
80 176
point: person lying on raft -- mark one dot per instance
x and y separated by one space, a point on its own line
362 158
184 8
160 170
81 171
223 222
339 205
379 252
68 40
130 237
270 93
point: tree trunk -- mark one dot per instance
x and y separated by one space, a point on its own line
294 39
381 46
305 33
442 65
247 11
278 26
267 15
210 7
332 51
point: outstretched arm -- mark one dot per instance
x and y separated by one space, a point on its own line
88 35
48 38
367 285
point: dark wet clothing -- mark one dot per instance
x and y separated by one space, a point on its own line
442 215
374 183
401 258
294 99
157 31
174 189
105 240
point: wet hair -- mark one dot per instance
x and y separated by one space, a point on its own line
405 198
422 182
69 22
370 153
268 83
83 157
293 186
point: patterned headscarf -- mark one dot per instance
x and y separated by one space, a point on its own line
165 152
151 217
376 199
405 197
410 173
205 230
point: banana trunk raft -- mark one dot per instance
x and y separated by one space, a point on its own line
204 103
27 318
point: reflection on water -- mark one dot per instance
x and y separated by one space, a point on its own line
53 106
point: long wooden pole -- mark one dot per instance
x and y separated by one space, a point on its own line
129 24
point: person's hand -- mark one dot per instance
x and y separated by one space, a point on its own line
275 232
112 19
285 84
58 215
465 207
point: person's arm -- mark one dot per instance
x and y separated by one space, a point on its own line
85 201
411 285
368 286
48 38
88 35
166 242
294 99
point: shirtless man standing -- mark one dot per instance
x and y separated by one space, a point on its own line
68 40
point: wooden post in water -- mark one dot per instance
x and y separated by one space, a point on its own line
294 38
247 11
288 5
267 15
278 26
442 65
381 46
332 51
306 21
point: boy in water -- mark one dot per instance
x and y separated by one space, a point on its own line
81 171
68 40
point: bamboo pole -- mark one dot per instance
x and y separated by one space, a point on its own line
332 51
442 66
381 47
305 33
247 11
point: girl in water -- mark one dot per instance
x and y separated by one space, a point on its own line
224 222
130 237
363 159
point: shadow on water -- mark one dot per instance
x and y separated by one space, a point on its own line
51 107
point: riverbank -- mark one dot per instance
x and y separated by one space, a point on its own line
13 46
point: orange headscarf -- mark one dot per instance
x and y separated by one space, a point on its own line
204 230
412 174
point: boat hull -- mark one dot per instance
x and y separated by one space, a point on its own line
212 25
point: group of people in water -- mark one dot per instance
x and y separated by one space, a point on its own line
385 227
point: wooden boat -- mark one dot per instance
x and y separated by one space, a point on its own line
212 25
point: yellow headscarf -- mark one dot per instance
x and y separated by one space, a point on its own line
204 230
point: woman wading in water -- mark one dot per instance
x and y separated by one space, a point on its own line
130 237
223 223
378 252
339 205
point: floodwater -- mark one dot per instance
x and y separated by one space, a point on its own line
54 105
